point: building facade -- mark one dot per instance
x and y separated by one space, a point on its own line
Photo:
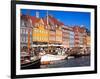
80 36
50 26
65 37
59 34
71 37
25 31
88 40
40 34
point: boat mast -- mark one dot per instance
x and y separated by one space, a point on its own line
48 30
28 44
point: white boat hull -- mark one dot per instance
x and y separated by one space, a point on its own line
48 58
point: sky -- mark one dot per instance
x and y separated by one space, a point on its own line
67 17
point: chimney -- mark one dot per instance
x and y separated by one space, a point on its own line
37 14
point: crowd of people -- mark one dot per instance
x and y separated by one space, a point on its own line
56 51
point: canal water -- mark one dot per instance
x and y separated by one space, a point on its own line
71 62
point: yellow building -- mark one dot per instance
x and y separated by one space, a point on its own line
40 34
88 41
58 36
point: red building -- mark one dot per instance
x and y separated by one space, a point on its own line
80 36
76 37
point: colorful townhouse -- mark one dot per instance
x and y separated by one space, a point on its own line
50 26
71 37
25 31
82 37
40 34
57 26
88 40
65 36
55 29
76 36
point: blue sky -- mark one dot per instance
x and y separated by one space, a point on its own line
67 17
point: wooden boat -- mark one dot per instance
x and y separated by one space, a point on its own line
31 65
28 62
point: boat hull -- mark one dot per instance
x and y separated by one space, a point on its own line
31 65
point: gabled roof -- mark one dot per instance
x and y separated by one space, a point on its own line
55 21
52 20
34 19
45 21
